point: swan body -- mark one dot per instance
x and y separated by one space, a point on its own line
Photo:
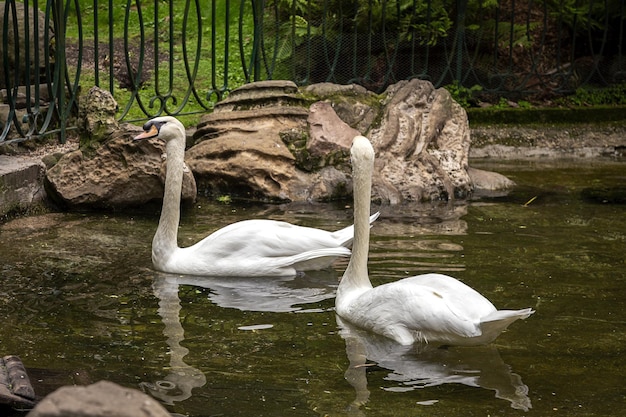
246 248
429 308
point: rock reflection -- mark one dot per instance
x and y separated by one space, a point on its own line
427 366
435 218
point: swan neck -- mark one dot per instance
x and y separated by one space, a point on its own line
356 272
165 239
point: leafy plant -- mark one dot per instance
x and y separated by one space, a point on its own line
589 96
466 97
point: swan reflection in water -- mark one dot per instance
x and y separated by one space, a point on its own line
429 366
275 294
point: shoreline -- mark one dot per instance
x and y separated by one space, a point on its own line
22 173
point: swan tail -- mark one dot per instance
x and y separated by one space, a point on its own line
495 323
317 259
511 315
346 235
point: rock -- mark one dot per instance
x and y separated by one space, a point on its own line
240 151
422 145
354 104
421 138
256 164
102 399
327 132
21 180
15 387
17 63
269 141
488 180
119 173
96 116
110 170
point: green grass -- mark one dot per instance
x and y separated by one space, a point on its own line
135 23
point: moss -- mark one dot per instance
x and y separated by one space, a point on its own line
341 192
296 142
543 116
17 210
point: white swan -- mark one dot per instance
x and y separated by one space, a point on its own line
246 248
429 308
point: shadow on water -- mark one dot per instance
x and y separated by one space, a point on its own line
80 303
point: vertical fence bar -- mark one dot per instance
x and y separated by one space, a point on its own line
460 38
96 46
621 64
60 69
258 6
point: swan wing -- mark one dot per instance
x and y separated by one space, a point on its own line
410 313
267 238
346 235
259 248
459 297
316 259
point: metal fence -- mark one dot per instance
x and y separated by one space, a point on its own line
182 56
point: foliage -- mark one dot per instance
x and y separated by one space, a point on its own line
589 96
582 15
424 22
466 97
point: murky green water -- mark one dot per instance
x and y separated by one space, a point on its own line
80 303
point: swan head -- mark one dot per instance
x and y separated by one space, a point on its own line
165 128
361 150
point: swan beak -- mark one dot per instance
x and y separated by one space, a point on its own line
153 132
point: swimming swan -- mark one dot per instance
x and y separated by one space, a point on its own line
429 308
246 248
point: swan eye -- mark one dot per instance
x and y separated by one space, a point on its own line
152 125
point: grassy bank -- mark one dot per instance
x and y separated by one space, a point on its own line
184 66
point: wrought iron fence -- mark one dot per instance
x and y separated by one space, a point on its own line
182 56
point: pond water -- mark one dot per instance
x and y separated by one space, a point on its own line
80 303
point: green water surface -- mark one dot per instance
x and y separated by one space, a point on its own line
80 303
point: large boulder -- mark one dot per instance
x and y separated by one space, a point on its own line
102 399
274 142
422 144
110 170
119 173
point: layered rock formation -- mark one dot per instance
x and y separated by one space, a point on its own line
271 141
